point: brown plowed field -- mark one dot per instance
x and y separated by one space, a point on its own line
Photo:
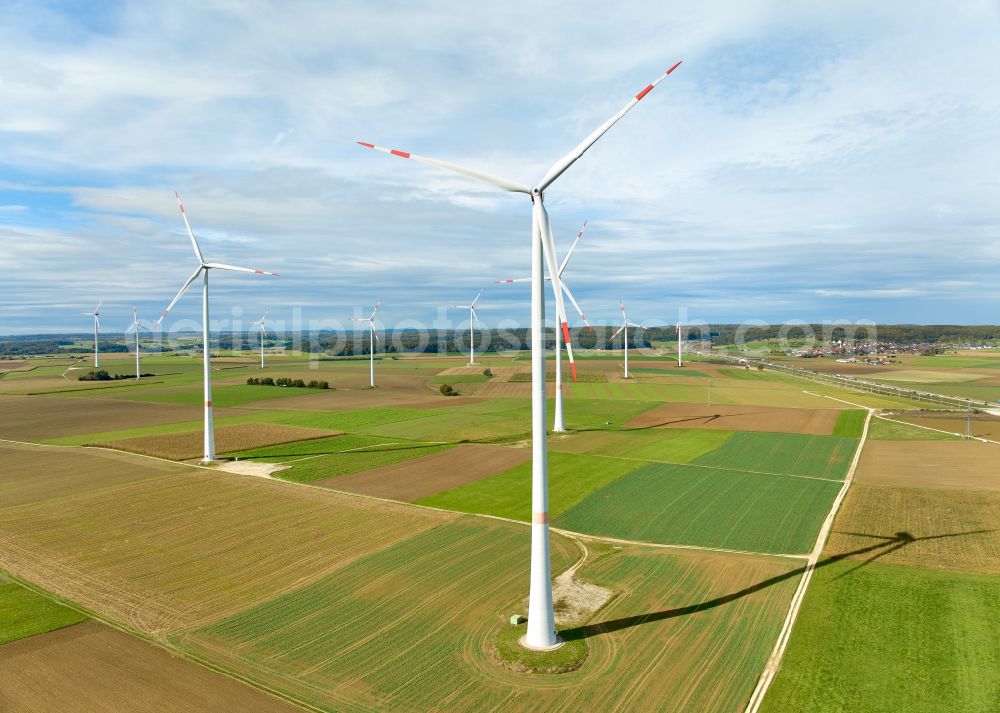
735 417
238 437
948 465
946 529
167 553
38 417
420 477
93 668
32 473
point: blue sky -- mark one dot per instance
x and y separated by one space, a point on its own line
807 161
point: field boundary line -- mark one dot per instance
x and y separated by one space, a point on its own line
163 644
711 467
937 430
774 661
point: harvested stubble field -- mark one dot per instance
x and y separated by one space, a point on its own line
174 551
709 507
420 477
785 453
93 668
883 637
408 628
942 529
240 437
739 418
34 418
951 465
884 429
32 473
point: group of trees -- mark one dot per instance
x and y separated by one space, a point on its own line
285 381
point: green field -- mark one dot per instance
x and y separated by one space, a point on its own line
408 628
684 504
571 478
785 453
850 423
884 430
892 638
24 613
670 445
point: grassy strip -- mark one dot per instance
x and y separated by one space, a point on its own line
24 613
506 649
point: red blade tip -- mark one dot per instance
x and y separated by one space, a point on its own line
674 67
367 146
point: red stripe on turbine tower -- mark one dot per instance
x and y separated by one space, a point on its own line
208 404
401 154
539 518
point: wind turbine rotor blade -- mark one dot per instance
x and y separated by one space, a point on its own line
476 300
496 181
98 310
194 243
223 266
372 315
576 306
618 332
516 279
474 315
195 276
549 250
571 249
569 159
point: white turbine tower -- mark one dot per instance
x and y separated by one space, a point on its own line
472 329
202 271
680 346
559 422
624 328
541 617
373 338
136 325
96 314
263 333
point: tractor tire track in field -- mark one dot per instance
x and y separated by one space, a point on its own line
774 662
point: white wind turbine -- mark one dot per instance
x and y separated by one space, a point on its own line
96 314
263 333
136 325
472 329
202 271
680 346
373 338
624 328
559 422
541 617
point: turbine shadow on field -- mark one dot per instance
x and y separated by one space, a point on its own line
887 544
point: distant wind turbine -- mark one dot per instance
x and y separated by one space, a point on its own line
559 423
263 333
136 325
680 346
541 632
624 328
202 271
96 314
373 338
472 329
